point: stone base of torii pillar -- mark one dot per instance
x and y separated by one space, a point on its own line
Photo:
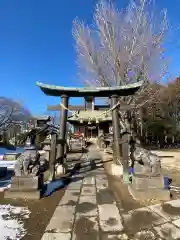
116 170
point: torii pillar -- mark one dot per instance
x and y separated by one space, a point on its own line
62 129
116 131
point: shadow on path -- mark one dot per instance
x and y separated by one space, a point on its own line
80 165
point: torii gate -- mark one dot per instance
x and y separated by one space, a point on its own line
112 92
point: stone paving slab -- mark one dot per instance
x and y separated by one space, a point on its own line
177 223
105 196
168 231
142 235
159 210
88 190
62 219
101 182
101 176
89 180
93 173
74 185
94 155
87 206
134 220
169 210
109 218
56 236
70 197
86 228
146 235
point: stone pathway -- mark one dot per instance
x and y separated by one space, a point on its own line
88 211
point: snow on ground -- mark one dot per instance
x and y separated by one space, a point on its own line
9 164
5 187
11 222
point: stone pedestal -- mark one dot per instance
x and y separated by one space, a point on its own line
145 187
140 182
147 180
25 187
150 193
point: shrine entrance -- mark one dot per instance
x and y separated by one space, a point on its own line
88 116
92 132
89 119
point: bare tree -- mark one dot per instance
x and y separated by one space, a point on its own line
11 113
123 47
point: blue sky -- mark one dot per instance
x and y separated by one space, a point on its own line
36 44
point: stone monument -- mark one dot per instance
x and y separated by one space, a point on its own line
28 179
147 178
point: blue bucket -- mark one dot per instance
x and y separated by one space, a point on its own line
166 182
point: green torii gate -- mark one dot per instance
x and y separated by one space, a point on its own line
112 92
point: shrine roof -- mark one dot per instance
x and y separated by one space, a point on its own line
42 118
93 115
53 90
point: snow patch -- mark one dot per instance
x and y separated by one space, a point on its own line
2 189
9 164
11 222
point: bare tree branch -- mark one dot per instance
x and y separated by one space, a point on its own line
10 112
122 47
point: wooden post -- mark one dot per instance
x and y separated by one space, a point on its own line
116 130
52 158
